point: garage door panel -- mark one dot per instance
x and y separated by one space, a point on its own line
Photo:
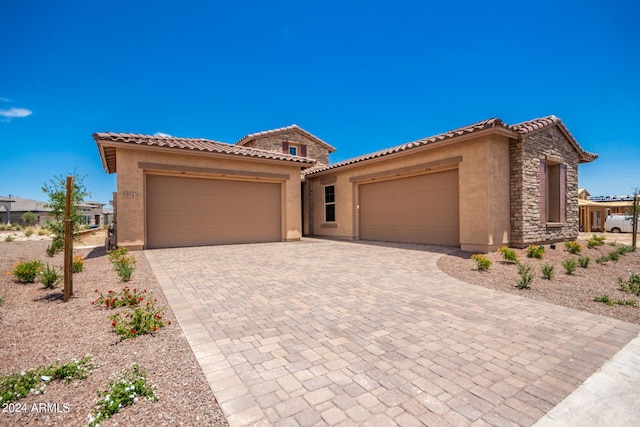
419 209
193 211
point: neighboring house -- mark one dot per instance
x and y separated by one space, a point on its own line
92 213
594 210
19 206
478 187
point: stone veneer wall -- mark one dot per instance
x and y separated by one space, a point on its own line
525 155
274 143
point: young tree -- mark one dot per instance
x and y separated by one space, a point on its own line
56 191
29 219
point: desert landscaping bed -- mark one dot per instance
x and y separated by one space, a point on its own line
39 329
575 291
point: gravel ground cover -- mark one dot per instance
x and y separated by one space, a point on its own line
574 291
38 329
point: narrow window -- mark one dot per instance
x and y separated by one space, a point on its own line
553 192
293 150
329 203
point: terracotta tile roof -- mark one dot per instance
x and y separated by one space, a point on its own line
295 127
543 122
485 124
188 144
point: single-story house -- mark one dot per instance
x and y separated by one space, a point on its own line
594 210
477 187
12 209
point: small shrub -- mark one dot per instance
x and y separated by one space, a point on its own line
42 231
57 245
547 271
482 262
124 298
606 300
595 241
115 254
509 254
526 272
26 272
569 265
125 266
121 393
603 299
49 277
613 243
602 259
28 232
29 219
19 385
614 256
632 284
9 238
583 261
143 320
623 250
77 265
573 247
534 251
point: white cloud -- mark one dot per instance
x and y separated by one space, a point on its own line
3 99
162 134
15 112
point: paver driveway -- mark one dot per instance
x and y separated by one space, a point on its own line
333 333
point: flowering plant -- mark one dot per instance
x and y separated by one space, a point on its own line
26 272
125 298
121 393
143 320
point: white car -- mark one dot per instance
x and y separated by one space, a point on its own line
618 223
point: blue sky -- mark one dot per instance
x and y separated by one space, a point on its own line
361 75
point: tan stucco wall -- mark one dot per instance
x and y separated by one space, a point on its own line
131 187
483 182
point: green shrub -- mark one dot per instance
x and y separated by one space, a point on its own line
143 320
623 250
124 298
573 247
547 271
595 241
57 245
583 261
19 385
26 272
632 284
125 266
526 273
613 243
614 256
606 300
29 219
534 251
121 393
28 232
602 259
482 262
115 254
603 299
9 238
49 277
569 265
509 254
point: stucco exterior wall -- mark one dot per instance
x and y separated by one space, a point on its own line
274 143
483 171
131 186
525 155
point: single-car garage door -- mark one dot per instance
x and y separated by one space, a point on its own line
194 211
417 209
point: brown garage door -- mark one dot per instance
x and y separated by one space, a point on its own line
418 209
194 211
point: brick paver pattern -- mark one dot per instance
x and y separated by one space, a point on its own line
318 333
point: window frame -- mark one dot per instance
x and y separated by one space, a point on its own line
295 148
553 192
331 203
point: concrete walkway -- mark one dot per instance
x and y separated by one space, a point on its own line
331 333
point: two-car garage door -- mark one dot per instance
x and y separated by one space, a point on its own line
417 209
185 211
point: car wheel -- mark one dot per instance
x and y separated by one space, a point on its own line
615 230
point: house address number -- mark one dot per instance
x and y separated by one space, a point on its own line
131 194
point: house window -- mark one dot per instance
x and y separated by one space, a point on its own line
293 150
329 203
553 192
